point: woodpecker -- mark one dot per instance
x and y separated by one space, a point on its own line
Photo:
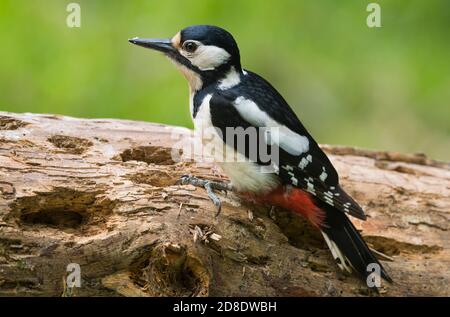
223 95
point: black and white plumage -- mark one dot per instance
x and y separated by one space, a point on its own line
222 96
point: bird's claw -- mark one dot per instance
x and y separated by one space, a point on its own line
185 180
216 200
210 186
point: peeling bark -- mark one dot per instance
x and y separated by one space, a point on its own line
102 193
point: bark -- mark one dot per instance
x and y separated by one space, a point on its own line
103 194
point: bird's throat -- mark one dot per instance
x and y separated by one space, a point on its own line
194 79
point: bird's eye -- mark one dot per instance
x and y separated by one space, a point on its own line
190 46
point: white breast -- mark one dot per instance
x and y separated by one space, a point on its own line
245 176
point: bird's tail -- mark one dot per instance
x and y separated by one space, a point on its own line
347 246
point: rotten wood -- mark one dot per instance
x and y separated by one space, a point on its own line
102 193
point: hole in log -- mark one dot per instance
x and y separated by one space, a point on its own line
63 209
154 177
55 218
148 154
170 271
70 144
8 123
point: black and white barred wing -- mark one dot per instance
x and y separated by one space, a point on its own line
333 195
301 162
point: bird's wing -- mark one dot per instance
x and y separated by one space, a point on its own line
301 162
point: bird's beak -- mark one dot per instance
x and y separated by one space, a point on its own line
162 45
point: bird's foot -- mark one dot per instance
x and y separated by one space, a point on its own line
210 186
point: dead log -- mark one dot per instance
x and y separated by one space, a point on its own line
101 193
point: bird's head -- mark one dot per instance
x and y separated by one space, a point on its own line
205 54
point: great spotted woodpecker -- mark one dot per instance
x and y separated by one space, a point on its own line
223 95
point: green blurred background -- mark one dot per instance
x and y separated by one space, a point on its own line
383 88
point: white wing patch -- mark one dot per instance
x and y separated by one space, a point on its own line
288 140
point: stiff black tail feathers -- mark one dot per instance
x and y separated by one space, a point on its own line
347 245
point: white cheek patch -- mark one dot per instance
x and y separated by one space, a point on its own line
288 140
207 57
